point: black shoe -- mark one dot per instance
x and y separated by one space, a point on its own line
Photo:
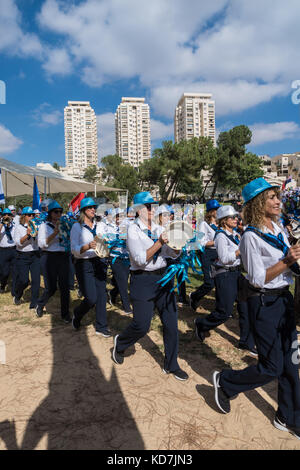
105 333
192 304
221 399
200 335
66 319
118 358
179 374
252 351
282 426
32 306
39 311
75 323
17 301
2 290
79 293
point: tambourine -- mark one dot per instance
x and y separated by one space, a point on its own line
101 249
296 233
179 233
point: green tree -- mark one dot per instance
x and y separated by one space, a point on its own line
90 174
176 167
56 166
120 175
233 167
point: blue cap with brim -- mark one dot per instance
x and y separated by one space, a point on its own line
255 187
87 202
142 198
27 210
212 204
54 205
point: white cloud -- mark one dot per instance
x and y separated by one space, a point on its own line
230 97
8 142
106 134
160 130
58 62
13 40
244 53
274 132
44 116
226 47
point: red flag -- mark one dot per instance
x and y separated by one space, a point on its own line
75 203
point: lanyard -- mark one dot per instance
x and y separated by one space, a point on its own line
92 230
273 240
235 239
214 227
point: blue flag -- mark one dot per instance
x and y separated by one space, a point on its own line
36 201
2 198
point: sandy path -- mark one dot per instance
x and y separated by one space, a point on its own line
59 389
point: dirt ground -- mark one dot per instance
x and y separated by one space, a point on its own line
59 389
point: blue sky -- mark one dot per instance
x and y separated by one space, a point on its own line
51 51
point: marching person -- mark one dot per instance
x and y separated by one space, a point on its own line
119 264
269 261
90 269
227 278
162 218
209 255
54 262
7 251
27 260
147 248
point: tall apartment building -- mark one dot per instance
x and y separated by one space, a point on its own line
81 141
132 126
195 117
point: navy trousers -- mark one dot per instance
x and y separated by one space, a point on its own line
91 276
207 258
7 267
146 294
55 266
120 272
226 294
28 262
274 329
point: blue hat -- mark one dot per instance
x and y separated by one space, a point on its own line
255 187
87 202
6 211
54 205
27 210
142 198
212 204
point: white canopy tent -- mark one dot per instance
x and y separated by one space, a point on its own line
18 180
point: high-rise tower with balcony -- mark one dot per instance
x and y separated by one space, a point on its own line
81 141
132 131
195 117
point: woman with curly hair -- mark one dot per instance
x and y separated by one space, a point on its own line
270 263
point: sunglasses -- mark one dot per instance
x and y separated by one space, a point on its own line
233 217
57 212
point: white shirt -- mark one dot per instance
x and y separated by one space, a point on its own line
80 236
226 251
258 256
29 245
4 240
45 230
16 219
138 243
209 234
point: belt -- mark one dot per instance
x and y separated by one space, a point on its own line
271 292
156 271
230 269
